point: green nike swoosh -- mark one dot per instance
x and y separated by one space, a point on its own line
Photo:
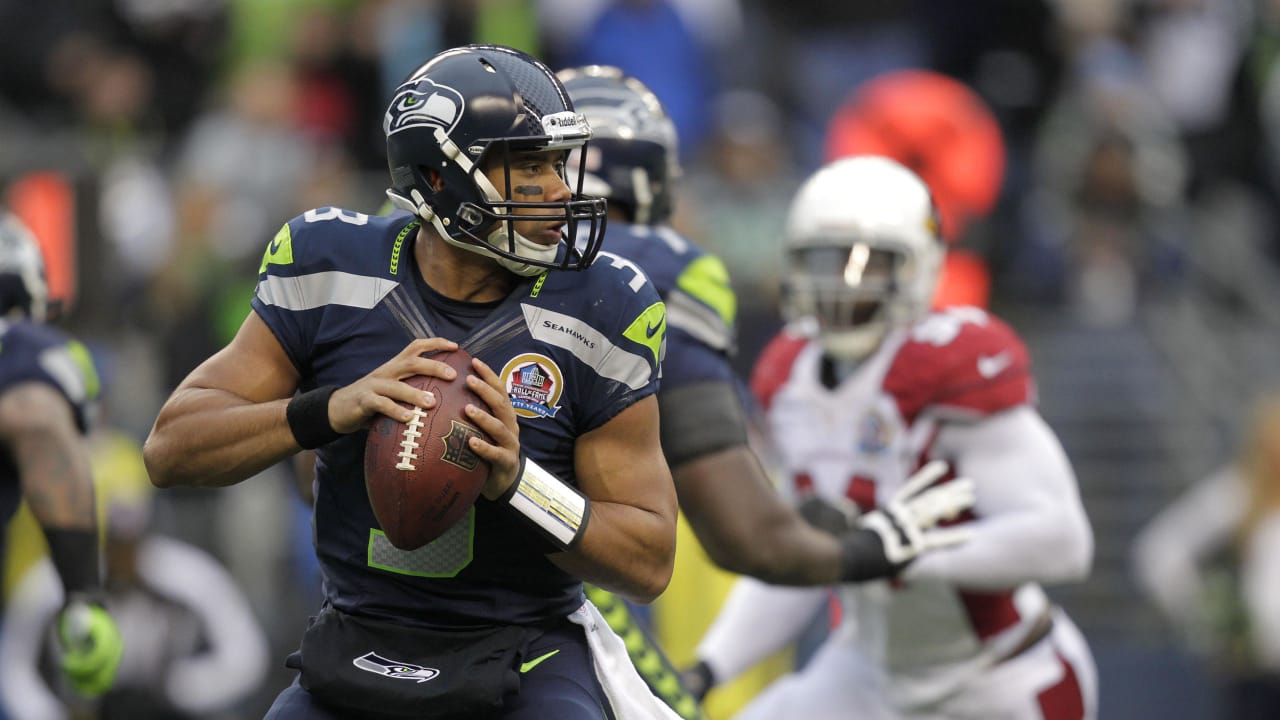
526 667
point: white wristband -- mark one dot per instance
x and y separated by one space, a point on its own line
555 508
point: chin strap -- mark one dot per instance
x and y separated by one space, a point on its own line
498 237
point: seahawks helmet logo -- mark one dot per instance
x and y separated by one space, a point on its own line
378 665
423 102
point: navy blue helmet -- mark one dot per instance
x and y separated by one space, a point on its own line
459 114
633 157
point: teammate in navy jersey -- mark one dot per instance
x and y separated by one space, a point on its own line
495 254
738 517
48 388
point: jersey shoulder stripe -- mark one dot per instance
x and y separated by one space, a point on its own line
589 345
325 270
609 316
319 289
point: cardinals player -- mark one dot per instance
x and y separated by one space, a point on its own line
863 387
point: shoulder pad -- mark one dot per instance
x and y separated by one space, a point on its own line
963 360
328 237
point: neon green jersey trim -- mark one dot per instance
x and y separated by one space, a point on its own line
650 329
707 279
279 250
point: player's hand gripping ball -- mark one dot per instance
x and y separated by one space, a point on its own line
422 475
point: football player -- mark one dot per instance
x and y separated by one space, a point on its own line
494 254
735 512
48 388
863 387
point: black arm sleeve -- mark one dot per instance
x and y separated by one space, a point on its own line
75 555
700 418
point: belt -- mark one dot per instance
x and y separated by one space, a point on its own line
1040 630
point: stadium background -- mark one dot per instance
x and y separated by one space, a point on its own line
155 146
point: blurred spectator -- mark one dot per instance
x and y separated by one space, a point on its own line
1210 562
734 204
1107 220
407 31
678 48
245 162
334 58
1264 62
1192 53
110 63
818 52
507 22
180 42
1009 51
193 647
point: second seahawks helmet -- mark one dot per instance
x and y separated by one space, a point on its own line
632 159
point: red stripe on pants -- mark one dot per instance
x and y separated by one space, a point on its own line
1063 701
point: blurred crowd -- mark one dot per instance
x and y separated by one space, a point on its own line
1121 181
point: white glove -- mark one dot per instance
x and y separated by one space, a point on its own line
890 537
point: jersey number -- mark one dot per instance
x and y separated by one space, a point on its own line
941 328
446 556
333 213
637 275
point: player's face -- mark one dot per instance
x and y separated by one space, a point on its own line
850 285
535 177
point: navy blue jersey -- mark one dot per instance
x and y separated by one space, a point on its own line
31 352
701 305
342 294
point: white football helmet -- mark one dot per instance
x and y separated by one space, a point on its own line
863 253
23 288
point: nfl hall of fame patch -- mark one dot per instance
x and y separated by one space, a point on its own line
534 383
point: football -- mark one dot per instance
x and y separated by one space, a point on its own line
421 475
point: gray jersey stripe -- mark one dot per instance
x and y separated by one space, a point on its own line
700 321
307 292
407 314
495 336
589 345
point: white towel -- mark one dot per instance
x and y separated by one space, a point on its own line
628 693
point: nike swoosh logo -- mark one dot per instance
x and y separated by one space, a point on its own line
651 330
526 667
990 366
276 242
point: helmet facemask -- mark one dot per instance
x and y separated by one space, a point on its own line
489 225
855 294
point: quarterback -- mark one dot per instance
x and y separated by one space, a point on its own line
494 254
